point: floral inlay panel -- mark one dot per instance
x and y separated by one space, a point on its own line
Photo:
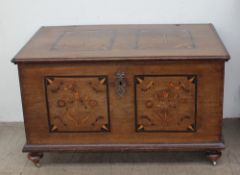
165 103
77 104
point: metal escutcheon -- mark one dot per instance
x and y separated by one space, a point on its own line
120 83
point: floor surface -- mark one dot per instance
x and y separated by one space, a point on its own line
14 162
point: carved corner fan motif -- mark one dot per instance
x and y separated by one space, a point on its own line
165 103
77 104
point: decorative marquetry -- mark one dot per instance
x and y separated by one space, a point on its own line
77 104
166 102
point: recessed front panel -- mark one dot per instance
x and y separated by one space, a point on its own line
77 104
165 103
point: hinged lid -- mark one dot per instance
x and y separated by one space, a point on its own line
123 42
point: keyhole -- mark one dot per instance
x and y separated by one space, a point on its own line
120 83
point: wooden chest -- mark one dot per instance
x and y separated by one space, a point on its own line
123 88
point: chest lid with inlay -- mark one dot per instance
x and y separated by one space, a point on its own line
123 42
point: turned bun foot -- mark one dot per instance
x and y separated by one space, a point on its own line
213 156
35 157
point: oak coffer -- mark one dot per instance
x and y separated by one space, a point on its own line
123 88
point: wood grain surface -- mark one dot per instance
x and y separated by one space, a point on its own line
122 108
123 42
